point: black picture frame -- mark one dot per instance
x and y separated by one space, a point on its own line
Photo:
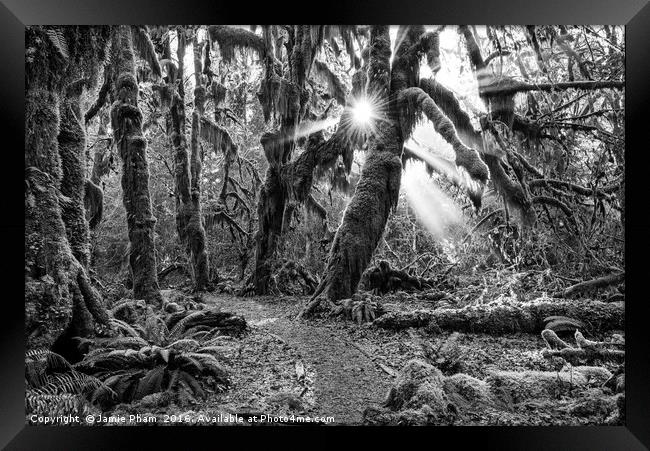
635 14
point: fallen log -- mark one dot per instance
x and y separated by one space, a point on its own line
499 317
423 395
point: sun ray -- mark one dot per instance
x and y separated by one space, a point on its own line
435 210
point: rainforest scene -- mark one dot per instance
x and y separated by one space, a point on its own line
325 224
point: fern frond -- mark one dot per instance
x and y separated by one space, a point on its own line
126 303
192 383
38 362
60 44
143 45
191 331
70 382
211 364
150 383
179 328
53 405
190 363
122 343
52 359
213 349
125 327
184 344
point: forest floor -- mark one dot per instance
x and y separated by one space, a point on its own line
332 369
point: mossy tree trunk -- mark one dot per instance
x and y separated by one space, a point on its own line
72 150
400 104
126 119
289 181
378 188
279 145
195 230
270 214
179 143
60 301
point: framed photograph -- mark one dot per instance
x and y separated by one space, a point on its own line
405 214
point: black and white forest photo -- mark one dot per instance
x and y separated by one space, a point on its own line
241 225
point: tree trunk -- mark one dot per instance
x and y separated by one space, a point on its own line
179 143
270 213
126 119
278 147
59 297
72 150
195 230
378 188
288 183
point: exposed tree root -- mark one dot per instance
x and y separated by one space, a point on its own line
362 309
383 279
587 352
285 277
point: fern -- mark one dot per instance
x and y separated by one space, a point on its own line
125 327
59 42
124 342
179 328
151 382
184 343
54 387
53 405
38 362
191 382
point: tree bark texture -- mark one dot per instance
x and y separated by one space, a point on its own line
126 119
59 298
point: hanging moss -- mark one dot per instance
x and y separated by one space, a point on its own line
413 102
217 136
511 190
231 39
145 48
334 84
280 99
219 92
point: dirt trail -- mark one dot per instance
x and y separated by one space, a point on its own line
345 380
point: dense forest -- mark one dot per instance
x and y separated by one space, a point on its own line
373 225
